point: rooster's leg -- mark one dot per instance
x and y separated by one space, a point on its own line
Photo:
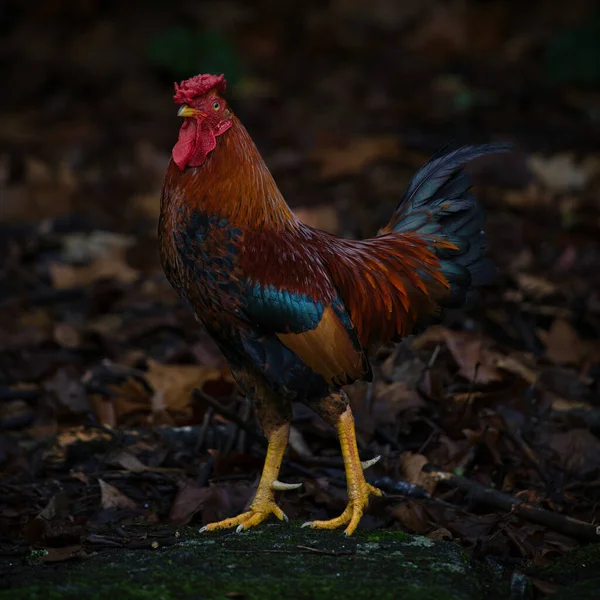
358 489
264 501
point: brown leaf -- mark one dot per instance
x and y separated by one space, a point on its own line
560 172
578 451
53 555
413 516
57 508
563 344
126 460
126 404
471 352
514 364
412 467
173 384
473 357
110 266
392 399
356 155
535 287
190 499
66 335
441 533
111 497
471 527
131 400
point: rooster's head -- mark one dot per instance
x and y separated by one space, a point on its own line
206 115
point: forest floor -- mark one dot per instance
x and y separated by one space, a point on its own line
119 420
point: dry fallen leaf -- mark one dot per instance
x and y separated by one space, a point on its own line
161 395
412 467
577 450
53 555
535 287
413 516
83 247
560 172
173 384
110 266
190 499
354 156
563 344
441 533
392 399
57 508
470 351
126 460
111 497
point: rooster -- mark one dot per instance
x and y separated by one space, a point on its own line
293 308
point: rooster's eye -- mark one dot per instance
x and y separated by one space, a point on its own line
216 105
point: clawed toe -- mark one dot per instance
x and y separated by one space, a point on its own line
253 517
352 515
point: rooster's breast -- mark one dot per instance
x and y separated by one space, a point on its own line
200 255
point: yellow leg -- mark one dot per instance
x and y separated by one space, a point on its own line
264 502
358 489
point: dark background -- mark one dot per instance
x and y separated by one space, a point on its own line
345 99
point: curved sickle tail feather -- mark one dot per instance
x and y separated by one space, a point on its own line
437 206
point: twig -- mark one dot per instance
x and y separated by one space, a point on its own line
434 433
203 429
403 488
231 416
574 528
102 540
526 450
433 357
327 552
28 395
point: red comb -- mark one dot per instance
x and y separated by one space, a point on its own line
196 86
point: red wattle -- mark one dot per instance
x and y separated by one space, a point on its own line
196 141
183 149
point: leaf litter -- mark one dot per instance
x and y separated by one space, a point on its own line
117 412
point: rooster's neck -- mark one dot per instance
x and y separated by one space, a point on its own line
235 183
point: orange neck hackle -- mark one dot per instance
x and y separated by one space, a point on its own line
235 183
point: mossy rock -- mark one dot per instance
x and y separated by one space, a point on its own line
578 574
272 561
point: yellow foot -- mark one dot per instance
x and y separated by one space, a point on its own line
257 514
263 504
352 514
358 489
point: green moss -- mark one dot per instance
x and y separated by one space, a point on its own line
274 561
378 536
579 564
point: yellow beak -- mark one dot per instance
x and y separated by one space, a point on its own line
186 111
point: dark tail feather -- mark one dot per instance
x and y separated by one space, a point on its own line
437 204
